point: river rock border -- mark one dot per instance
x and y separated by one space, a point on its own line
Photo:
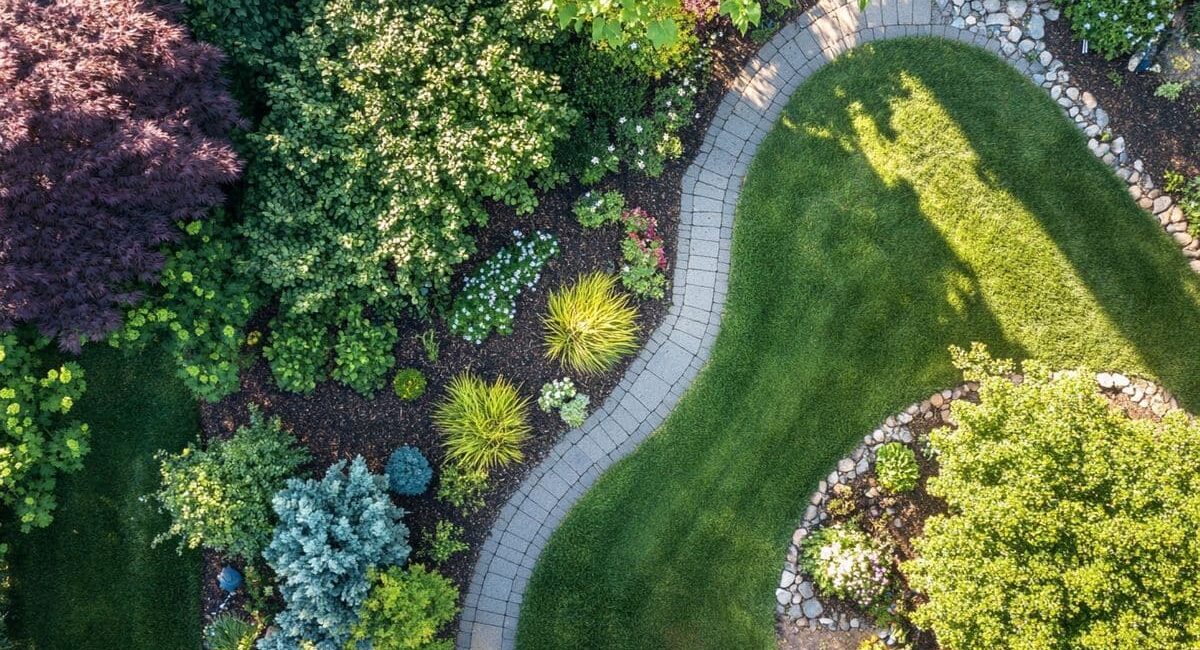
679 348
796 602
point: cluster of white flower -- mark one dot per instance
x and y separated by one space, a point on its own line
556 393
488 299
1116 27
846 563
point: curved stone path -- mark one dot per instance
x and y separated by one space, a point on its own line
680 346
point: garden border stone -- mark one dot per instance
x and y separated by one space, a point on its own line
679 348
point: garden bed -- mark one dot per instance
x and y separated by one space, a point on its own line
336 423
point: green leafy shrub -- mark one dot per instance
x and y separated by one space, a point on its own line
463 489
39 441
363 353
488 300
1069 525
405 610
651 36
220 497
1117 27
201 305
575 411
408 472
1171 90
228 632
896 468
484 424
409 384
444 541
590 325
248 31
595 209
846 563
372 164
331 532
298 353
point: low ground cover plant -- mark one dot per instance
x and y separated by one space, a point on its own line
331 533
488 300
1069 522
219 496
483 423
444 541
595 209
645 255
896 468
561 395
462 489
40 440
590 325
115 127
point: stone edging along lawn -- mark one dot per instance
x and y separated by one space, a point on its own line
680 346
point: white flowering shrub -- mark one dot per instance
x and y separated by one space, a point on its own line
488 300
556 393
1117 27
846 563
389 124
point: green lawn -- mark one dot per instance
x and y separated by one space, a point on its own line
90 580
915 194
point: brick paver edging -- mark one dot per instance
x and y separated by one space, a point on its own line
680 346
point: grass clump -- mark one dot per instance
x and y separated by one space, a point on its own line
590 325
484 424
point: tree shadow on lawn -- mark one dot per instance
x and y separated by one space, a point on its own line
861 251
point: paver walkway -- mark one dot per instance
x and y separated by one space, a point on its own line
680 346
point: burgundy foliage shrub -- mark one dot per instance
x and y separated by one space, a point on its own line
113 127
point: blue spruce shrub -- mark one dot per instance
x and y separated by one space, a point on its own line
330 532
408 472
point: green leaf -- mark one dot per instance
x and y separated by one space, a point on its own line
662 33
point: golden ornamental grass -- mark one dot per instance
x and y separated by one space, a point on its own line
590 325
484 424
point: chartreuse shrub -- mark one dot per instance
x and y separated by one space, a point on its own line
229 632
488 299
896 468
362 355
409 384
462 489
39 440
405 610
408 472
372 165
331 532
1070 525
443 541
298 353
200 307
219 497
590 325
1117 27
484 423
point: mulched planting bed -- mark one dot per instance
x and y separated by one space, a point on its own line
336 423
1164 134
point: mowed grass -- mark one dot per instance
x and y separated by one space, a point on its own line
90 581
915 194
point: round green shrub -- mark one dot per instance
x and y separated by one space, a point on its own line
409 384
896 468
408 472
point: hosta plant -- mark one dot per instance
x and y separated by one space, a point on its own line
896 468
483 423
846 563
590 325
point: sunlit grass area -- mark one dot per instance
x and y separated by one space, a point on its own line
915 194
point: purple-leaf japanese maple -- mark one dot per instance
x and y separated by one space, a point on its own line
114 126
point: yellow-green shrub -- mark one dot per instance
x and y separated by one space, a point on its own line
484 424
590 325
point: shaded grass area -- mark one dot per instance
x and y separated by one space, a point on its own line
915 194
90 581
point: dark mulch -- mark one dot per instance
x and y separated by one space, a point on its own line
1164 134
336 423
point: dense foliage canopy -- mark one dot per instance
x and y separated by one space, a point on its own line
1071 526
112 129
